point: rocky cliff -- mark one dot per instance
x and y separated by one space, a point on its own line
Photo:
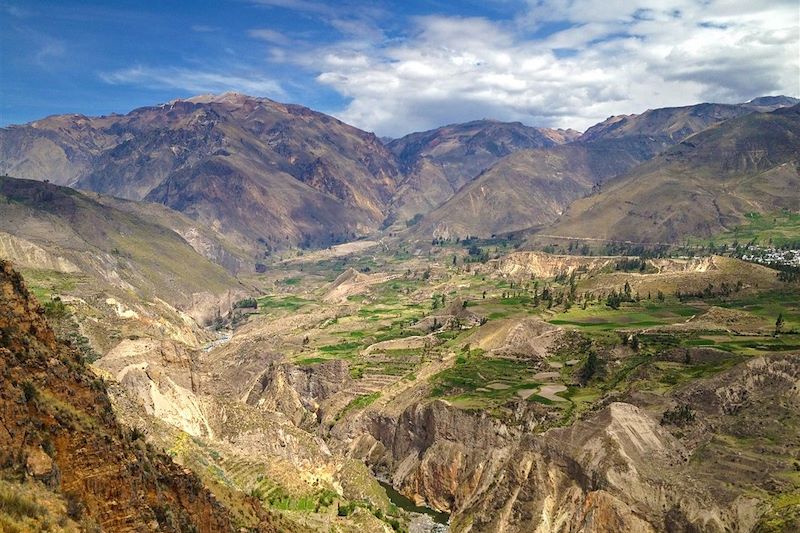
619 468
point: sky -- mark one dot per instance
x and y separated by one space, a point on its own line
393 67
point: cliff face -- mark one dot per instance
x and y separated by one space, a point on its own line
57 427
617 469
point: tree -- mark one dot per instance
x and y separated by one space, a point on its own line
589 367
779 323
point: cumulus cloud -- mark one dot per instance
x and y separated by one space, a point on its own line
605 57
194 81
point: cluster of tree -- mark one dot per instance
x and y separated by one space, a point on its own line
678 416
477 254
631 264
437 301
246 303
639 250
615 298
710 291
590 368
787 273
413 221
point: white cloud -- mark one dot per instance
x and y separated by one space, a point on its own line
193 81
622 57
270 36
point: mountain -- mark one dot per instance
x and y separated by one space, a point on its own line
439 162
267 174
678 123
530 188
673 123
136 275
771 103
700 187
80 468
533 187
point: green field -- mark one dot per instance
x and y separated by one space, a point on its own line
281 303
774 229
646 313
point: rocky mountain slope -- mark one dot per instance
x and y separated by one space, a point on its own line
59 433
267 174
438 162
533 187
700 187
271 175
677 123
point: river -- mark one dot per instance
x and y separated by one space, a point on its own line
424 519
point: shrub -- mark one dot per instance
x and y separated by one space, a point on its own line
679 416
346 509
18 506
246 303
55 308
29 391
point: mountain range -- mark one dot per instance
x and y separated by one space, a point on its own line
270 176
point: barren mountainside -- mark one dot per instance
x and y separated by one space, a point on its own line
533 187
437 163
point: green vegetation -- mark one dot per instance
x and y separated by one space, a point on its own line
480 381
642 314
246 303
343 350
281 303
679 416
17 506
359 402
783 515
775 229
769 305
44 284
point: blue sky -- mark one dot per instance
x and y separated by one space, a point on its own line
398 66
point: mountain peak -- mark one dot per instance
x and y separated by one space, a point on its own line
230 97
773 101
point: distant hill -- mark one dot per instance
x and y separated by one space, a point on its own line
700 187
127 271
263 176
672 123
770 103
438 162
